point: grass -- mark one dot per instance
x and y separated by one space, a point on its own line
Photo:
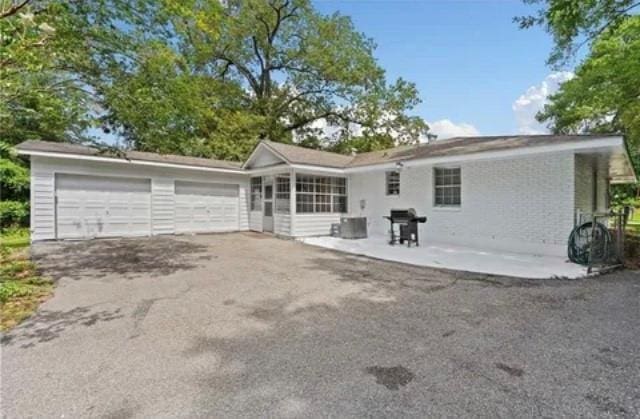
15 238
22 289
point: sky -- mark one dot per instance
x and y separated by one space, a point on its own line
476 71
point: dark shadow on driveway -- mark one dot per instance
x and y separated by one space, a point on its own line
480 347
128 258
48 325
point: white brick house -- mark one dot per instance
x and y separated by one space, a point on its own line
514 193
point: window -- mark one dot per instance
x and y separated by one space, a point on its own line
283 204
447 187
256 194
320 194
393 183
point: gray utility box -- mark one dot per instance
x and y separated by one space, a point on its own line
353 227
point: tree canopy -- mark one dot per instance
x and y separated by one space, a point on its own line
576 23
224 75
604 95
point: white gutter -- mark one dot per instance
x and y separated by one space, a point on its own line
128 161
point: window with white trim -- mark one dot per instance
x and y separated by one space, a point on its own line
283 194
393 182
256 194
447 187
320 194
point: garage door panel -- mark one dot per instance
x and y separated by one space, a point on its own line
94 206
211 207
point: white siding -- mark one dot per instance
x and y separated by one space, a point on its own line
282 224
520 204
243 196
43 170
265 158
314 224
43 207
255 221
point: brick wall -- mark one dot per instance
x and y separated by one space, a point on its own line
523 204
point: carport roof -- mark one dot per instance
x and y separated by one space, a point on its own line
75 149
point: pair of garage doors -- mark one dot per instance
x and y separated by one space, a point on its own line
101 206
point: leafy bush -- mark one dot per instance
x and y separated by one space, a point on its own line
13 213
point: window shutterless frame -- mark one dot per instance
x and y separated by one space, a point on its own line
320 194
447 187
392 182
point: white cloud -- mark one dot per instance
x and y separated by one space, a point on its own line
445 128
533 100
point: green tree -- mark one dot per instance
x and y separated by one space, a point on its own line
604 95
576 23
39 97
267 69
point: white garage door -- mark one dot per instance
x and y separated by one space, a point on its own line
206 207
100 206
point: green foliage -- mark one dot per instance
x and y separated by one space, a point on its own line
575 23
169 110
14 177
13 213
14 237
14 189
40 98
604 95
21 288
220 77
197 77
13 289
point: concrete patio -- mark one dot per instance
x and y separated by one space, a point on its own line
459 258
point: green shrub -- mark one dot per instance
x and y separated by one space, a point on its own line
13 214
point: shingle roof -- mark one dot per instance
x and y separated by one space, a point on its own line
466 145
302 155
76 149
306 156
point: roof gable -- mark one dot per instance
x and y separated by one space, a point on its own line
264 156
294 154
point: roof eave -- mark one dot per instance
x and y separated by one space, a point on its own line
595 144
85 157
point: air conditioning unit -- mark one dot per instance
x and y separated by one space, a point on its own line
353 227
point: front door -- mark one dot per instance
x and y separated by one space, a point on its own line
267 221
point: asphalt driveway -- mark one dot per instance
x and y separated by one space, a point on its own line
245 325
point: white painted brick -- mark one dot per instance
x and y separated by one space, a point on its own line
523 204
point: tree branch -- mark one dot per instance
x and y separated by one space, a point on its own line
243 70
15 8
301 123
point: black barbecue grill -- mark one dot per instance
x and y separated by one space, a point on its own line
407 221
